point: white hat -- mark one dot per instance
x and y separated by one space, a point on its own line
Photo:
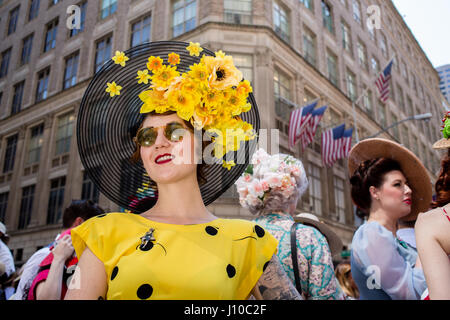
3 228
334 242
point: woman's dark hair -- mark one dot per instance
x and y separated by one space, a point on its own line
85 209
442 185
369 173
201 167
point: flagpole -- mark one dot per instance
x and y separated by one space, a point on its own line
361 96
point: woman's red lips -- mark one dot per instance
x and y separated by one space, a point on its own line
407 201
164 158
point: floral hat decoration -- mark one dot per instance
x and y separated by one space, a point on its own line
268 173
201 87
444 143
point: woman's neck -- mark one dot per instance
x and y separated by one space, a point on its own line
384 219
180 202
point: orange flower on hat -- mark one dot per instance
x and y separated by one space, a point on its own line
174 58
154 63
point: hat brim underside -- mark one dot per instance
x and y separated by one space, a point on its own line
411 166
106 127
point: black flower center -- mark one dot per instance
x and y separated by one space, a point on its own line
220 74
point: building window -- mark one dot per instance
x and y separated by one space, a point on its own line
339 198
102 53
395 128
27 44
26 206
42 85
332 68
362 55
401 101
3 205
53 2
13 17
73 32
55 200
183 16
238 11
17 97
351 85
283 106
64 133
34 9
36 140
346 37
10 153
327 16
405 136
371 30
141 31
89 190
108 8
404 71
315 188
244 62
308 4
6 55
280 21
357 11
382 115
409 106
368 102
309 46
375 66
50 35
70 72
383 45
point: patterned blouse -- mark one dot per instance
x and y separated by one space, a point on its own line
316 271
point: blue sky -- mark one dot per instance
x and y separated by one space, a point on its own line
429 21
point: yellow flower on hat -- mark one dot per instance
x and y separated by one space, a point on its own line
120 58
152 99
162 77
173 58
228 164
154 63
220 54
223 73
184 103
143 76
113 89
198 72
244 87
194 48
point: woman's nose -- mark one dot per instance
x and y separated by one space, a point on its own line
161 140
407 189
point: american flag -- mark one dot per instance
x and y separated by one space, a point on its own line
310 130
332 145
383 82
298 120
347 142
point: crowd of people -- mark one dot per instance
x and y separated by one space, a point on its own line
171 246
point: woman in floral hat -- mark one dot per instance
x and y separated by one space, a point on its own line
433 228
270 187
170 246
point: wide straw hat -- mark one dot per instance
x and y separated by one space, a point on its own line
334 242
413 169
106 127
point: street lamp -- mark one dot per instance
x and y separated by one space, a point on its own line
425 116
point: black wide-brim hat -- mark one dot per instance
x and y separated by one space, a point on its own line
106 127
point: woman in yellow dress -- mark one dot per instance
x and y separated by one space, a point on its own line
170 246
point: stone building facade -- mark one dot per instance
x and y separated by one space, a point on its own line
293 52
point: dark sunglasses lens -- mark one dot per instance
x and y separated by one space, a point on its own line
174 132
146 137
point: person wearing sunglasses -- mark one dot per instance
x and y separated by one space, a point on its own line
169 245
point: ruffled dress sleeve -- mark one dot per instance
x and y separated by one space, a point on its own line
387 267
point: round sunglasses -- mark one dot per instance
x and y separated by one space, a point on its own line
173 131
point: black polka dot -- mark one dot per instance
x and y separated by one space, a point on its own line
114 272
266 265
259 231
231 271
146 247
211 230
144 291
101 215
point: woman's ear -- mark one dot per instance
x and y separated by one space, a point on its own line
374 193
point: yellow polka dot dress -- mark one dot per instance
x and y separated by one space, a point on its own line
144 259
